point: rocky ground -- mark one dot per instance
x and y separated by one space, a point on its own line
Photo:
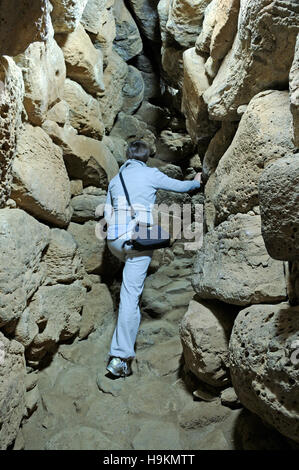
154 408
211 86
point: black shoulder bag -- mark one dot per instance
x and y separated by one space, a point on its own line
146 236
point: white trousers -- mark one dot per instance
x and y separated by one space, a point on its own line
134 274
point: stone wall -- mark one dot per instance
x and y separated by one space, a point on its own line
62 85
240 75
210 85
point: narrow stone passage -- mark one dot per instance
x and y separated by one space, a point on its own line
211 86
152 409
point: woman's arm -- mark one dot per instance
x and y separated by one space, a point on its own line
161 181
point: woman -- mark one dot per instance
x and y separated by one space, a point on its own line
142 183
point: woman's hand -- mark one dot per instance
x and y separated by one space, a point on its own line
197 177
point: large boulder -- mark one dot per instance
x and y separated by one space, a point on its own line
264 134
57 311
44 73
146 15
279 203
85 205
11 105
130 128
22 243
40 181
98 310
185 20
233 264
174 146
84 63
85 158
219 28
217 147
63 263
205 331
173 66
92 14
168 291
260 58
106 34
12 390
193 105
264 364
91 248
117 147
31 20
66 14
85 112
133 91
127 42
294 93
111 101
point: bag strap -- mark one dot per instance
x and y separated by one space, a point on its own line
133 213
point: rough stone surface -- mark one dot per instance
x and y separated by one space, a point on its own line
76 187
155 117
59 289
164 435
63 263
264 134
85 205
97 311
130 128
84 63
40 182
260 58
264 364
30 19
85 112
279 204
92 15
185 20
133 91
85 158
58 310
59 113
127 42
66 14
229 398
11 105
294 93
12 389
22 242
90 247
173 66
193 105
147 17
219 28
205 331
117 147
106 34
174 146
168 291
44 73
114 79
217 148
233 264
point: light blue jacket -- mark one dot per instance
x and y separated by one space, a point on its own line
142 183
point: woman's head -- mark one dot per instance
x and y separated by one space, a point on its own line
138 150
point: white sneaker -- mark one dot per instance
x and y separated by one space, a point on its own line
119 367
